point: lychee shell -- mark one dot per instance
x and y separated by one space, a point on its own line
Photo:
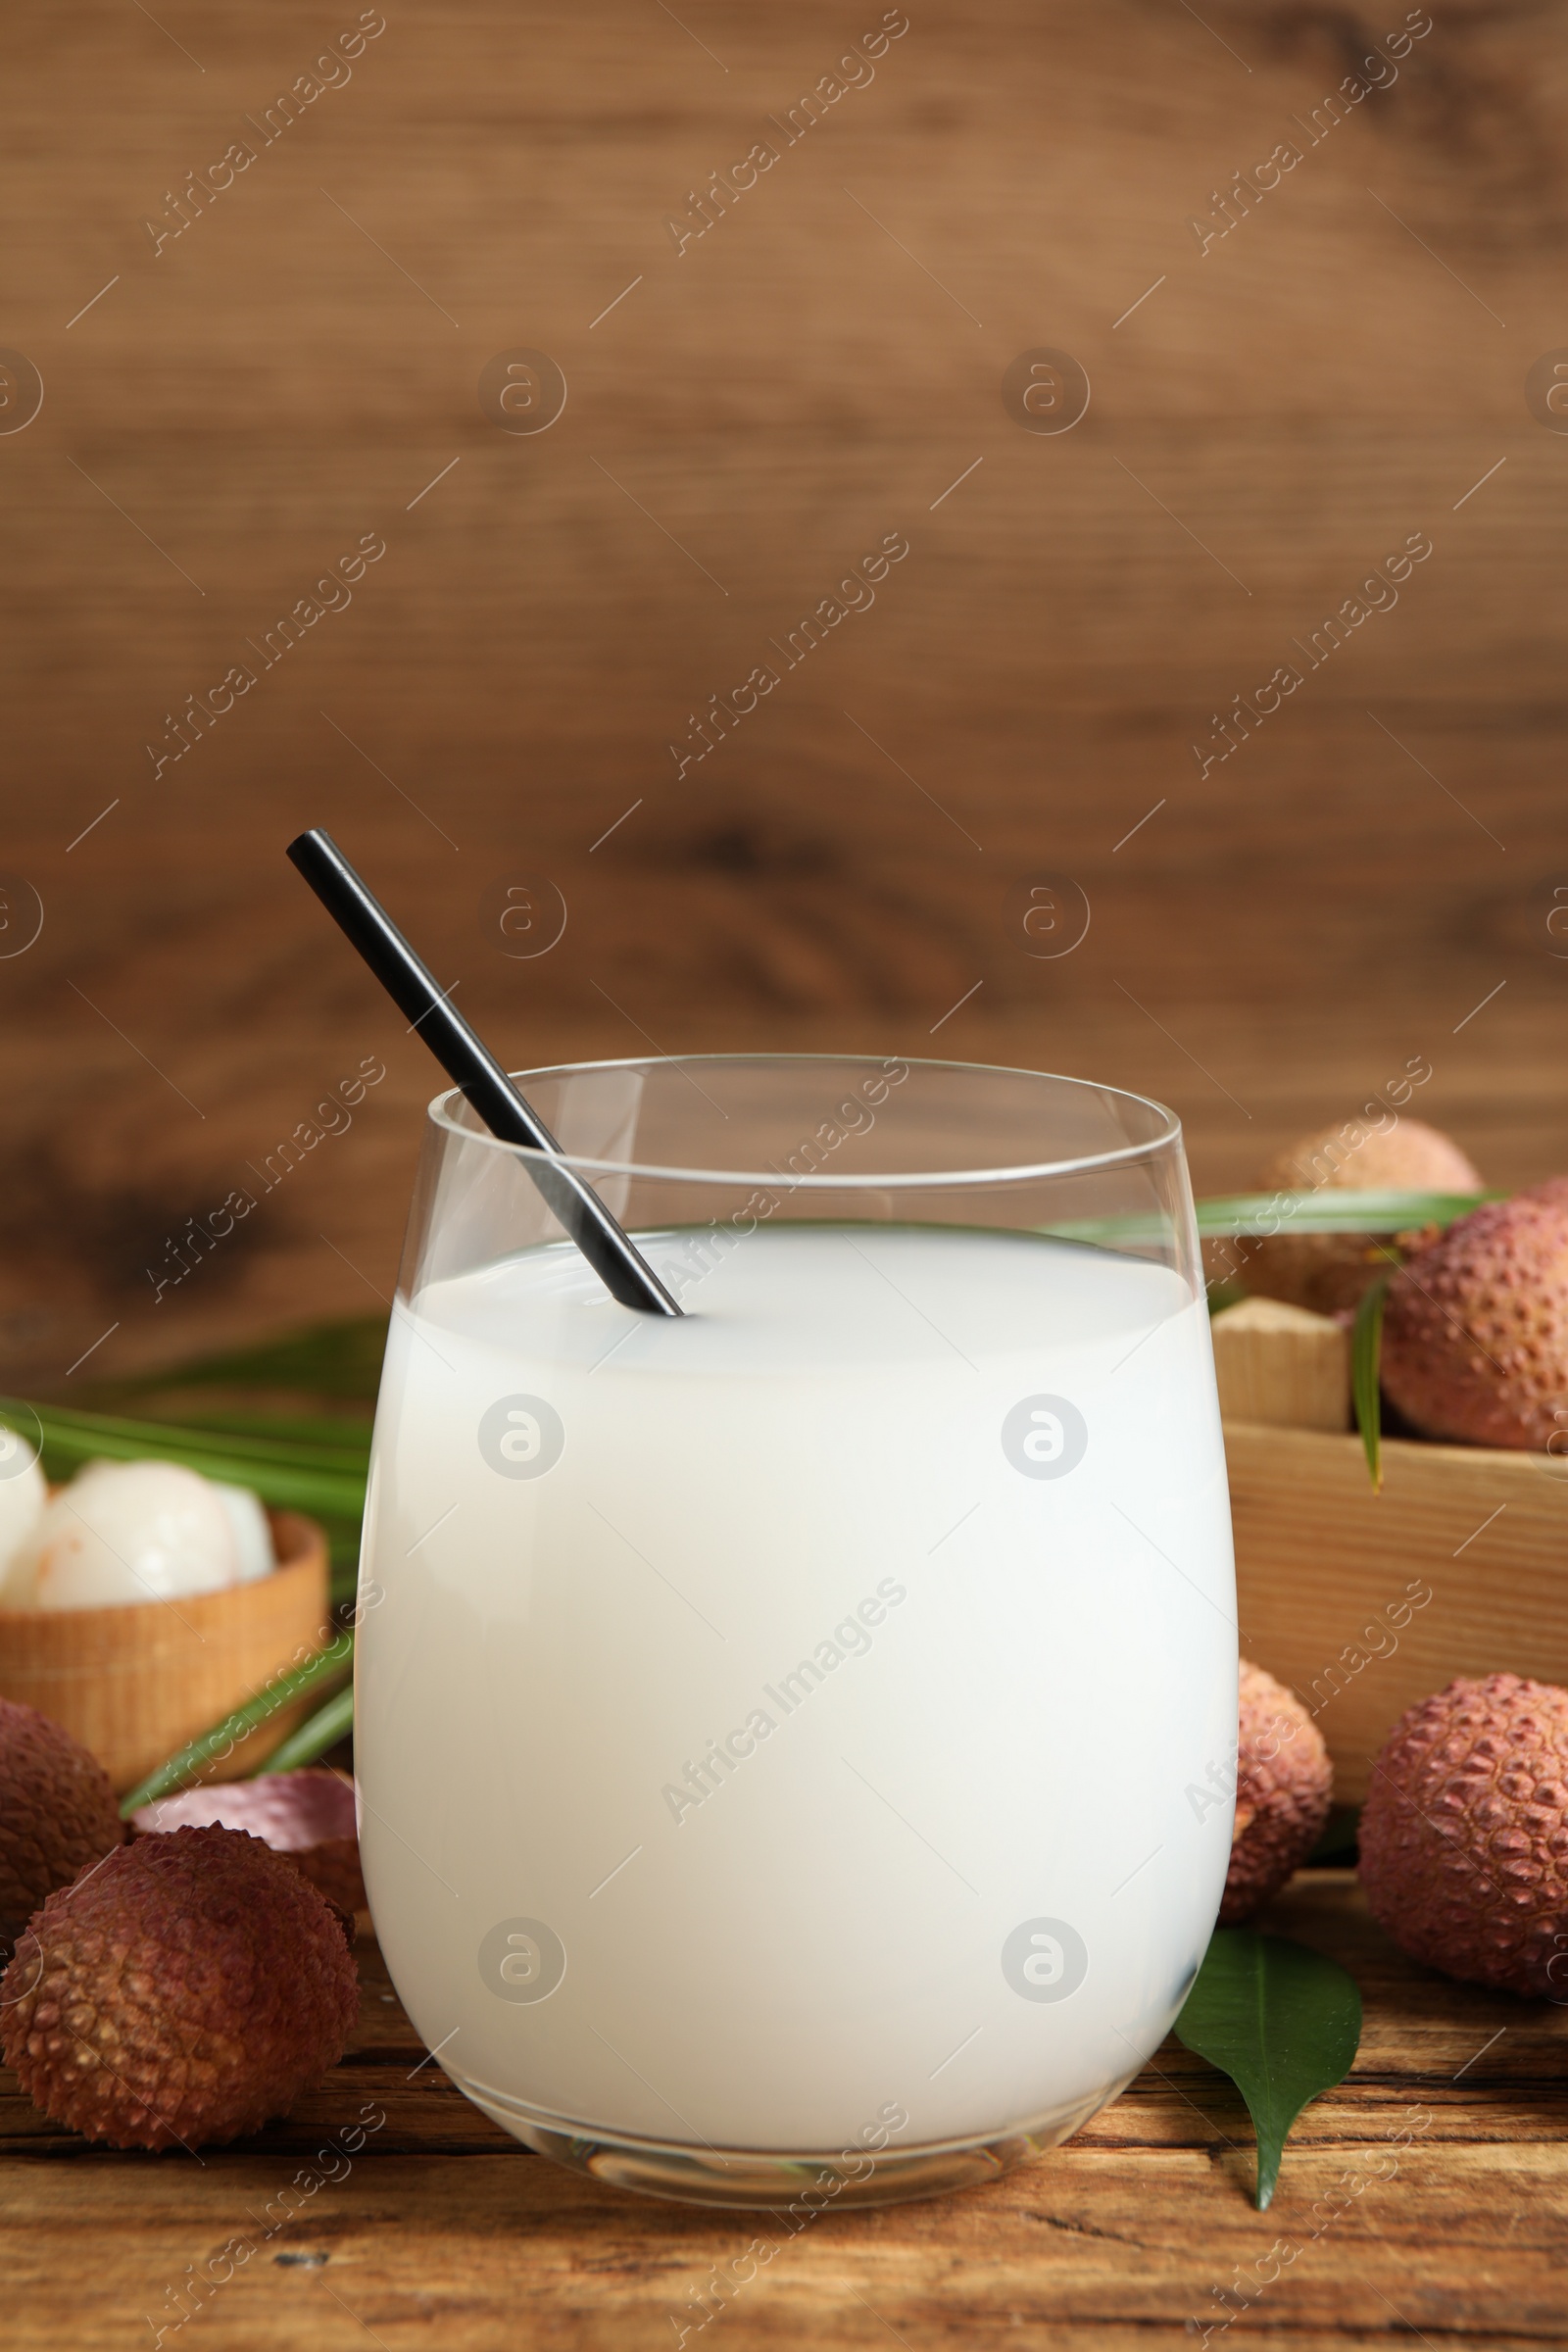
307 1816
1464 1834
1328 1272
185 1991
1475 1332
57 1813
1284 1788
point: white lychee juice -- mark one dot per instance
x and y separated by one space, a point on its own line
813 1710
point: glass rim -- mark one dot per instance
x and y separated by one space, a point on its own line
440 1113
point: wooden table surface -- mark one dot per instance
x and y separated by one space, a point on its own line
1426 2197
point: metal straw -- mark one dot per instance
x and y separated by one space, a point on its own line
614 1256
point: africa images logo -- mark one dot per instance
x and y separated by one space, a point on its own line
522 1960
521 1437
1045 1436
1045 1959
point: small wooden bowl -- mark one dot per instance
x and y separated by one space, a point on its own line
135 1683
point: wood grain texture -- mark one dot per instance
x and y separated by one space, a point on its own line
442 2230
1281 1364
232 412
1365 1602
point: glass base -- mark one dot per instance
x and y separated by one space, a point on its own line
777 2181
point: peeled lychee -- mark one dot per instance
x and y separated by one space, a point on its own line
1283 1786
185 1992
23 1492
308 1816
1475 1332
57 1813
127 1531
1464 1834
1329 1271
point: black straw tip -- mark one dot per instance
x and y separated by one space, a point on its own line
307 846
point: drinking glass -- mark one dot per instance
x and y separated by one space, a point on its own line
788 1735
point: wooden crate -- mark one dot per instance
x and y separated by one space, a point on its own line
1365 1602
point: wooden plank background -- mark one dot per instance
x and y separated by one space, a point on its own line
300 368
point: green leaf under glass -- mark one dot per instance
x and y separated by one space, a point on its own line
1282 2022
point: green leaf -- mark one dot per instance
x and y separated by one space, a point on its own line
1366 1359
327 1482
328 1360
352 1439
1233 1216
1331 1209
1282 2022
322 1730
181 1770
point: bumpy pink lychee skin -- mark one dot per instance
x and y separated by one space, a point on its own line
1475 1333
1464 1836
1283 1786
57 1812
308 1815
182 1992
1328 1272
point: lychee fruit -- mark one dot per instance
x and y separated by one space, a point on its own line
57 1813
1464 1834
307 1816
124 1534
1475 1331
1328 1272
185 1991
1283 1786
